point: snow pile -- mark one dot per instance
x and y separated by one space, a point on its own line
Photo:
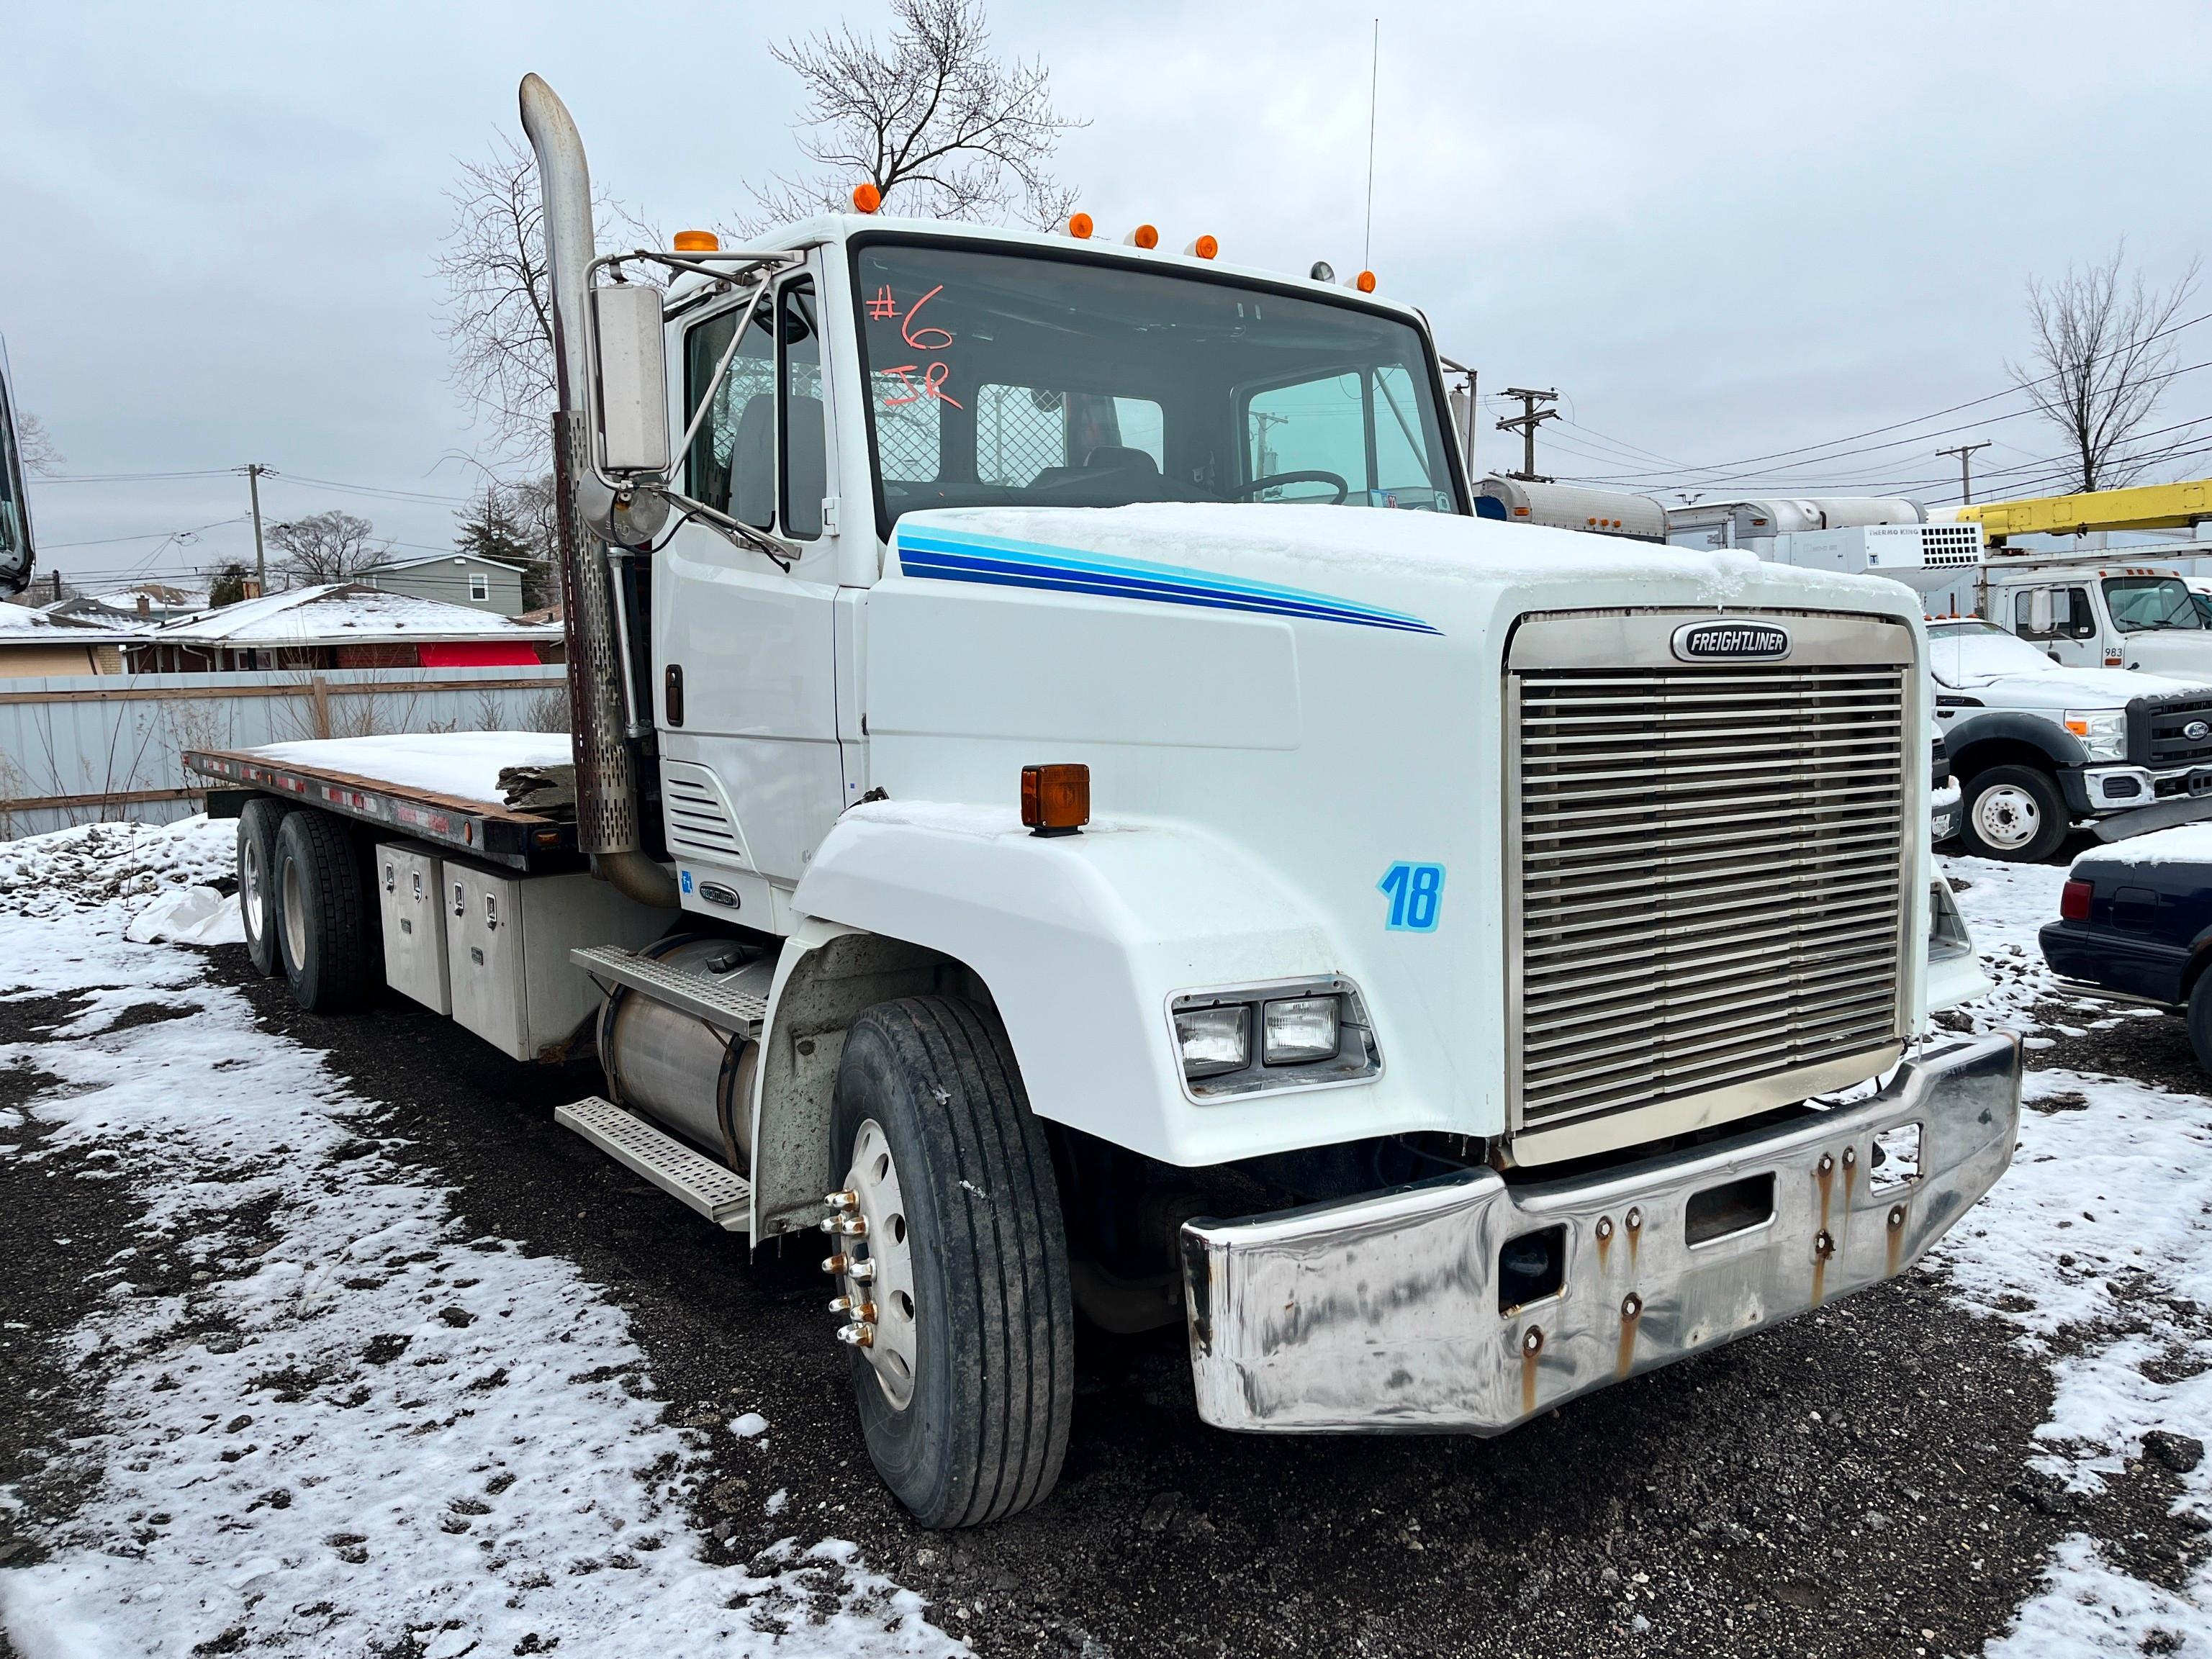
189 916
351 1428
99 864
464 765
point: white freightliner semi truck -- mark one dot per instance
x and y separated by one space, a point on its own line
1063 837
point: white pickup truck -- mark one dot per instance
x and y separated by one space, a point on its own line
1061 835
2038 746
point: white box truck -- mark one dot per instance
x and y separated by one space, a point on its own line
1064 839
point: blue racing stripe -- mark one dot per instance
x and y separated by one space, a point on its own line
1001 562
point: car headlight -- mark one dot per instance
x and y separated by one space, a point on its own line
2103 732
1288 1034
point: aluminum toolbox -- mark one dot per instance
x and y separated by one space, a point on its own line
407 893
508 941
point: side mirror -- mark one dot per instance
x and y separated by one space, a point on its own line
632 375
2039 612
16 555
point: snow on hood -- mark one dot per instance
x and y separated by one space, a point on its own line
1346 549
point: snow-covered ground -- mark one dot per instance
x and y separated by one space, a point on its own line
358 1426
2105 1219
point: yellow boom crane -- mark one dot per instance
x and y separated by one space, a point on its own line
2148 507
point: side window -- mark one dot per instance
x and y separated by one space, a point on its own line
804 464
732 465
2073 614
479 586
1313 426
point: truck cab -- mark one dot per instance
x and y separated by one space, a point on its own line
2096 614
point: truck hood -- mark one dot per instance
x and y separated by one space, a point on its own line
2064 687
1412 572
2186 652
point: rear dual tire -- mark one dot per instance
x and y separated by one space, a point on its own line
324 919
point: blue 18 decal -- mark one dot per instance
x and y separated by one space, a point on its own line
1417 893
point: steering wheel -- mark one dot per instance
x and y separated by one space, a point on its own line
1237 492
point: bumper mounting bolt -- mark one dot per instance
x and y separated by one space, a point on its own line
1604 1228
1851 1156
1631 1306
1823 1246
1896 1216
1532 1340
1827 1163
1636 1220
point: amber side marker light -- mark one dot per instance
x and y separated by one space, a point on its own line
1055 800
697 241
866 199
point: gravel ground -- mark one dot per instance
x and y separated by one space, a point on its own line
1862 1482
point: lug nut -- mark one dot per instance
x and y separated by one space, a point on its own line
845 1200
836 1264
852 1306
858 1335
852 1226
860 1271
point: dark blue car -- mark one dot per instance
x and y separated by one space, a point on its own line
2135 920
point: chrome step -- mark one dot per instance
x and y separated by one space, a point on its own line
722 1007
721 1195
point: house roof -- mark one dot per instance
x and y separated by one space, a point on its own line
341 613
442 558
20 624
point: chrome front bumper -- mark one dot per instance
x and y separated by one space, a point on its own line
1381 1313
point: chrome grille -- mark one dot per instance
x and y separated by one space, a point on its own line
1711 883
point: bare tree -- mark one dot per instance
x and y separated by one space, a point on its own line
41 454
498 302
2104 357
936 123
326 547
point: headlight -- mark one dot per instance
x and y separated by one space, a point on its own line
1214 1040
2103 732
1299 1030
1294 1034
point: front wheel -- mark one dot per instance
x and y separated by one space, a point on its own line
2015 813
2200 1019
952 1262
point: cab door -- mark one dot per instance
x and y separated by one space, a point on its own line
745 641
2061 619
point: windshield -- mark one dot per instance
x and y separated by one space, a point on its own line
2140 602
1965 652
1002 379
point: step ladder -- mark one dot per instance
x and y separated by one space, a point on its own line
698 1183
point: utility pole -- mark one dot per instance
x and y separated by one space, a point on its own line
1526 423
253 470
1965 454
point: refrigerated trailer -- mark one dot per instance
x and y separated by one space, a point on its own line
1071 807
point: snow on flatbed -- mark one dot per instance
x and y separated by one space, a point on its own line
461 765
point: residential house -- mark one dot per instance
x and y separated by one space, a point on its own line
343 625
467 579
148 602
34 644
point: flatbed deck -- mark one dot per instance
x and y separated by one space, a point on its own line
488 830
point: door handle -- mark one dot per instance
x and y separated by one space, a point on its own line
672 693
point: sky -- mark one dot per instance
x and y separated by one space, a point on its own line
1722 231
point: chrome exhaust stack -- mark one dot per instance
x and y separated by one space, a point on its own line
607 794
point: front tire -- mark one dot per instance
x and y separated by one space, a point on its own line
2200 1019
324 919
258 820
2015 813
965 1402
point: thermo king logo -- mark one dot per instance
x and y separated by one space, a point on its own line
1732 642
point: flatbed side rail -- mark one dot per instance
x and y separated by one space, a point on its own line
498 835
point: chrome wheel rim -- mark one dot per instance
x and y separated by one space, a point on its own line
874 1181
252 892
295 912
2006 817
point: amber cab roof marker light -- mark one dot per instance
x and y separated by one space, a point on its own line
1079 226
1365 281
1202 247
1055 800
697 241
1144 236
866 199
